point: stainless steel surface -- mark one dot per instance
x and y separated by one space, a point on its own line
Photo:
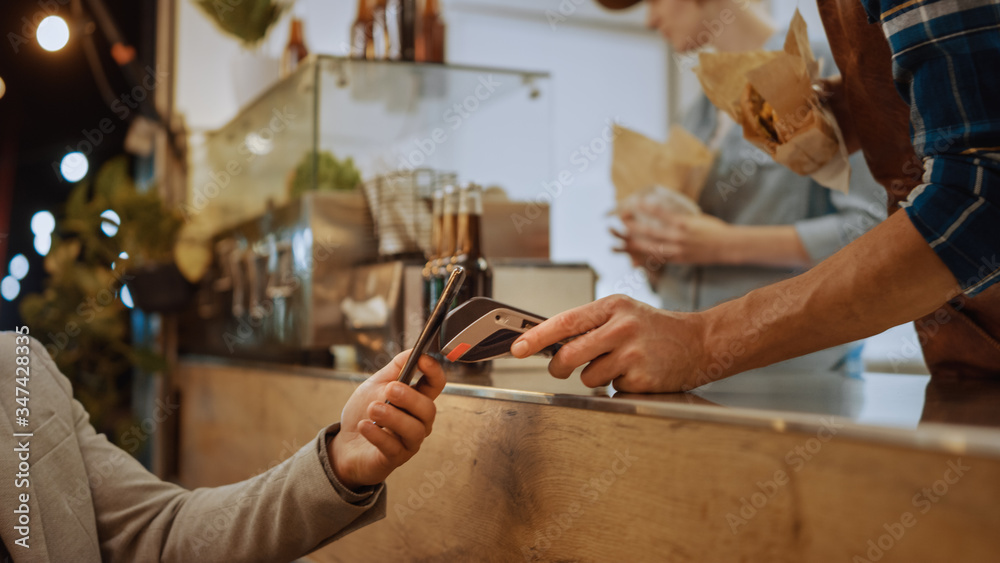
898 410
280 278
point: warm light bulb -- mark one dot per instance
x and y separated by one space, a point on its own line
52 33
3 87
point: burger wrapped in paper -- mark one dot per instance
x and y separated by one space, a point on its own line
641 166
770 94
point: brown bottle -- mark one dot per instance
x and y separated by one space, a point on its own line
429 44
362 46
431 282
469 255
295 51
438 268
469 247
449 224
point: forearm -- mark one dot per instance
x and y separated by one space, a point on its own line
887 277
765 245
278 515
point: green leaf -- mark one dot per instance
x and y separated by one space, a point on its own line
247 20
113 181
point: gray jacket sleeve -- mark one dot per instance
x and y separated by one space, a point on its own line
852 214
849 215
278 515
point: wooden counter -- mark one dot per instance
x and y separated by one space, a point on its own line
513 475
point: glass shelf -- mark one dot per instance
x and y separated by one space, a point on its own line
490 126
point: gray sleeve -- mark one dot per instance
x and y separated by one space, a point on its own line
279 515
853 214
353 497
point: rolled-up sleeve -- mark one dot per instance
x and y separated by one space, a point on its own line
958 212
945 57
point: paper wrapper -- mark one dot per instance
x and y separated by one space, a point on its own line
639 164
808 141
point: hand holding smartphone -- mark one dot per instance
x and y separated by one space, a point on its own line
434 321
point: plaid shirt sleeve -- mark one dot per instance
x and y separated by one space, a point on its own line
946 65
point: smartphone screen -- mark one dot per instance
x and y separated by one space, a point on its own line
433 323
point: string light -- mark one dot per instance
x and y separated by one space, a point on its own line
74 166
10 288
42 223
110 223
126 297
53 33
18 267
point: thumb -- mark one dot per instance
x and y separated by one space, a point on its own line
391 370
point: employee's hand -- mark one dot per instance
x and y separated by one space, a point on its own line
628 343
375 438
675 238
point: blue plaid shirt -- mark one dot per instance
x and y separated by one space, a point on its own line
946 65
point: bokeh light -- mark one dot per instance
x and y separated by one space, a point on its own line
110 223
10 288
126 296
74 166
18 266
123 256
53 33
43 223
43 243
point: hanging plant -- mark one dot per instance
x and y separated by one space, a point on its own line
79 315
247 20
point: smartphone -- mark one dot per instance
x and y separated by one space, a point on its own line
433 323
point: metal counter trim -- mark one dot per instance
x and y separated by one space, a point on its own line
951 439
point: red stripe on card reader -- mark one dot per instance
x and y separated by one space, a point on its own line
458 352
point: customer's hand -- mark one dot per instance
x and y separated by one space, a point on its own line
375 438
628 343
675 238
